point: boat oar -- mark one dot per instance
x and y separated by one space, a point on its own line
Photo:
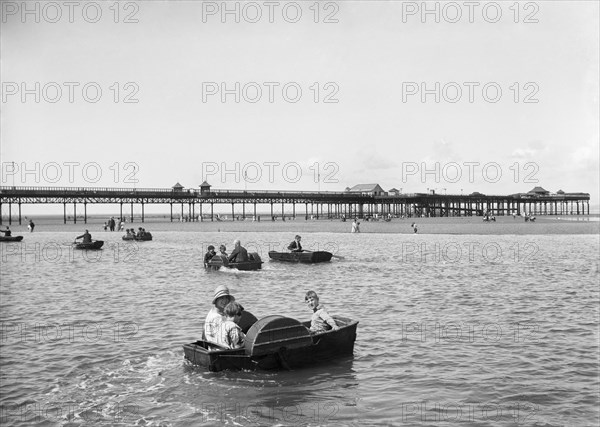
338 257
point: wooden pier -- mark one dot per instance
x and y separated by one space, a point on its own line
200 203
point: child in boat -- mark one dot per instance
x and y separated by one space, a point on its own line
230 334
321 321
209 254
295 246
223 250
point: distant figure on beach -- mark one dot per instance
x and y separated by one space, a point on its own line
6 232
111 223
121 225
355 226
105 226
414 226
209 255
87 237
31 226
295 246
239 253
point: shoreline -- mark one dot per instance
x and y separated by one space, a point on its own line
437 225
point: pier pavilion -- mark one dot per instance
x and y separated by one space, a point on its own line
323 204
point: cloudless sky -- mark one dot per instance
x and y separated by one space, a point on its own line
368 61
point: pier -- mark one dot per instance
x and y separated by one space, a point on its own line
198 205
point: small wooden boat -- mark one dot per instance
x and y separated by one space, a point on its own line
304 257
254 262
96 244
277 342
146 237
11 238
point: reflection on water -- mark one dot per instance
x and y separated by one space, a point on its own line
449 326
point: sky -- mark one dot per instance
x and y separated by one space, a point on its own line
302 96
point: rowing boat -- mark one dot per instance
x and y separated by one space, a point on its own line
146 237
254 262
96 244
277 342
304 257
11 238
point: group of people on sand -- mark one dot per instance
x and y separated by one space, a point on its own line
221 326
239 253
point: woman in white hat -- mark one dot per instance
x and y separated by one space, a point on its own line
216 315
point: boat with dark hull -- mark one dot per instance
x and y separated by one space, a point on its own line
11 238
308 257
145 238
95 245
254 263
277 342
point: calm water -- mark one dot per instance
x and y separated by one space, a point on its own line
454 330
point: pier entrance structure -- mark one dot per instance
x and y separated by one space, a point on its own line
323 204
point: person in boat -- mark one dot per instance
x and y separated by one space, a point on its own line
87 237
223 251
7 232
140 232
239 253
230 335
295 246
321 321
355 226
216 315
208 255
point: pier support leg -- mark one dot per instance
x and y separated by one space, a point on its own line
232 212
142 211
65 213
19 212
171 213
9 213
212 216
74 213
131 212
85 212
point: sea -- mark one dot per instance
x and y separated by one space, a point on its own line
464 328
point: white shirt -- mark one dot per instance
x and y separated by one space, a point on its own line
212 325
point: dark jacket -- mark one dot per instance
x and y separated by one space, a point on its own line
239 254
295 246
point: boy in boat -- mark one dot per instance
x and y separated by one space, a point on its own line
208 255
216 315
230 334
87 237
6 232
239 253
321 321
295 246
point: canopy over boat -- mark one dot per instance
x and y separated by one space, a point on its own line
304 257
277 342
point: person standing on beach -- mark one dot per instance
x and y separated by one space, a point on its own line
31 226
355 226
